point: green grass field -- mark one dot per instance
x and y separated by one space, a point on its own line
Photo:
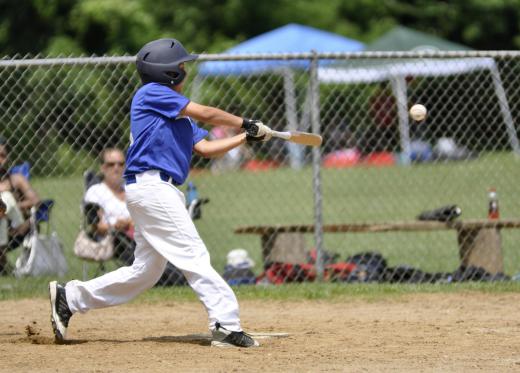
285 196
37 287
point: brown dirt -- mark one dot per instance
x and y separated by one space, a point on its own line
425 332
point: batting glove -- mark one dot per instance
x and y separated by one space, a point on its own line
252 139
255 128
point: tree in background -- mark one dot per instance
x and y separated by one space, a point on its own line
122 26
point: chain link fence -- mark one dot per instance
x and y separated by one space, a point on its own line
385 199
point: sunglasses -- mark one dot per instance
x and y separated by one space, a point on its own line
112 164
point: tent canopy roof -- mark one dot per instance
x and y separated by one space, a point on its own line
402 38
294 38
385 71
291 38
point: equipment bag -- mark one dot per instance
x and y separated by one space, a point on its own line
42 254
87 248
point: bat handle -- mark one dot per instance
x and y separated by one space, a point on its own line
282 135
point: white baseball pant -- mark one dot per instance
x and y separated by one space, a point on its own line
163 232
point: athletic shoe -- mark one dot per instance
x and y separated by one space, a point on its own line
60 311
221 337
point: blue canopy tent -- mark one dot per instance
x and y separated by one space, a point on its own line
291 38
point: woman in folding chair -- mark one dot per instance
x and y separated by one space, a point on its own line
16 181
109 195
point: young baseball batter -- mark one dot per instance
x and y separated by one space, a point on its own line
163 136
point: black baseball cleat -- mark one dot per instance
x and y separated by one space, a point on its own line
60 312
221 337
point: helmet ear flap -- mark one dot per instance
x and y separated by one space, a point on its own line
177 76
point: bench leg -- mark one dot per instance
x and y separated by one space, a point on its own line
267 241
481 247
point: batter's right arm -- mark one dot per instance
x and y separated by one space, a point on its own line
218 117
211 115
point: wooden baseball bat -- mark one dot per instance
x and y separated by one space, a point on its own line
303 138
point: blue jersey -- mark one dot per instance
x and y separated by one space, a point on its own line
160 138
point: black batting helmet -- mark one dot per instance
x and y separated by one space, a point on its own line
158 61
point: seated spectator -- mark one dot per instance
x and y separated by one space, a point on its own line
109 195
383 136
16 183
11 222
19 187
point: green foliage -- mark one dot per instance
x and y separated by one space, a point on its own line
123 26
71 162
112 26
356 188
59 110
63 45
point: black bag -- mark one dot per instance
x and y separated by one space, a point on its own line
473 273
404 274
239 276
370 267
445 213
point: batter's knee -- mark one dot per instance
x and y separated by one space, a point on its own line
150 271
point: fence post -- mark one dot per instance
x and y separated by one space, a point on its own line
316 165
295 150
399 88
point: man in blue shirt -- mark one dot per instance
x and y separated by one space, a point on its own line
163 136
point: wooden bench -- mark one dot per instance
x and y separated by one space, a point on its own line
479 240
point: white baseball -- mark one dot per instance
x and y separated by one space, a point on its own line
418 112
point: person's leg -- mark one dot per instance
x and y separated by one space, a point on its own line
158 209
119 286
15 241
124 248
4 268
3 246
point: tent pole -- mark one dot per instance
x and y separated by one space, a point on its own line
295 150
316 165
504 108
305 118
195 88
399 89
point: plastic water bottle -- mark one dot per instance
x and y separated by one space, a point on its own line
493 212
191 193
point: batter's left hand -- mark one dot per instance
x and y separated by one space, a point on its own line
256 128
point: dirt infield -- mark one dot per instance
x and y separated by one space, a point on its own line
425 332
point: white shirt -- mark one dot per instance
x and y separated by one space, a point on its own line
13 214
113 208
